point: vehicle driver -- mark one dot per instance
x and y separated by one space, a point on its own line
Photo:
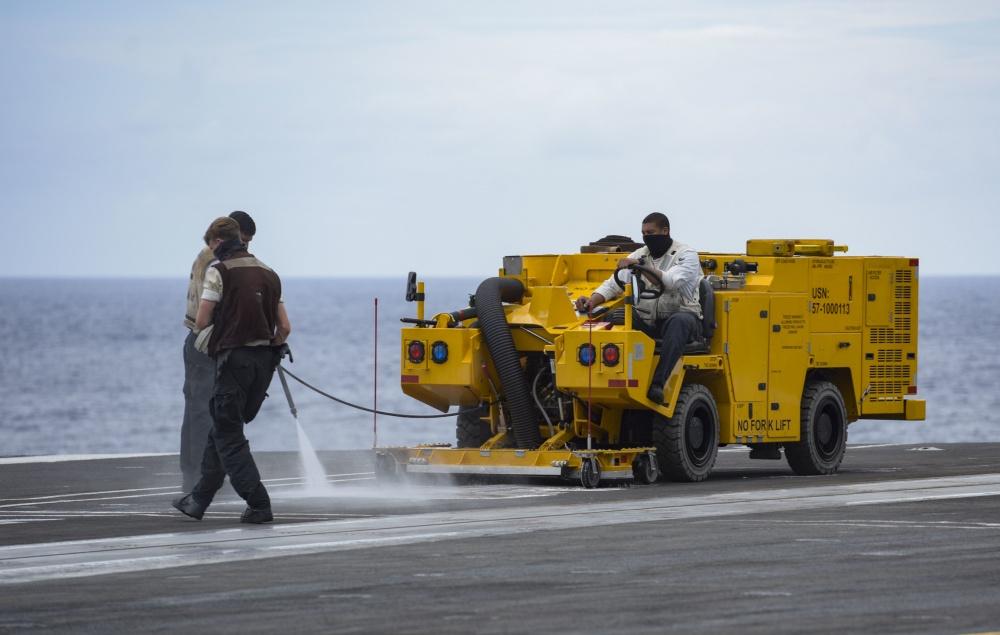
672 319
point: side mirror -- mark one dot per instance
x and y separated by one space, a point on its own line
411 286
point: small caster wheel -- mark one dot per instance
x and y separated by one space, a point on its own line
386 469
645 469
590 473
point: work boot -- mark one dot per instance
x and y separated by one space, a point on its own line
655 394
188 506
257 515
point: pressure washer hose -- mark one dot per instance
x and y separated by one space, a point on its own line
366 409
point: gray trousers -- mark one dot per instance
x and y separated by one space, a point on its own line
199 386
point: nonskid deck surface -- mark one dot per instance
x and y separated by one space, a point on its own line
95 541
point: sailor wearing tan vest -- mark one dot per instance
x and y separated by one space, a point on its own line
242 303
199 368
675 316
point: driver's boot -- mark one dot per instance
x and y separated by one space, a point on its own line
655 392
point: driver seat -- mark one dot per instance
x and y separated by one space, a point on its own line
701 343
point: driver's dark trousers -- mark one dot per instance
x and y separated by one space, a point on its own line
673 334
241 382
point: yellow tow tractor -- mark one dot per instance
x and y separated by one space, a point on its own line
796 342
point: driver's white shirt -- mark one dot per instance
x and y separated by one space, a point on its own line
682 276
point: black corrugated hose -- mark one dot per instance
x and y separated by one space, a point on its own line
490 296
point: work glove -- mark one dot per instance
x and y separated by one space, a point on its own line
283 350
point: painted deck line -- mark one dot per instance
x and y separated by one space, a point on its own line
82 558
171 489
62 458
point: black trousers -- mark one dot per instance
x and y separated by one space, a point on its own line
673 334
242 378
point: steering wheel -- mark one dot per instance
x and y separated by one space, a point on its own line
646 290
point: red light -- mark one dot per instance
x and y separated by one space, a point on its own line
415 352
912 390
914 262
610 354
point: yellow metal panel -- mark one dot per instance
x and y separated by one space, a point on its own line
916 409
889 365
746 415
458 381
894 407
878 292
545 306
788 359
745 331
836 290
841 355
838 350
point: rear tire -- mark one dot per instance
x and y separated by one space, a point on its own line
823 441
470 430
687 444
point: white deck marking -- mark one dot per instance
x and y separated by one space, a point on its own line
147 492
81 558
62 458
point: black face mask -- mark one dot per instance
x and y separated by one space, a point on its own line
658 244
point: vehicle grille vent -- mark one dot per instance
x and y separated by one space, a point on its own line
888 380
889 356
902 308
902 293
881 335
904 276
889 371
886 388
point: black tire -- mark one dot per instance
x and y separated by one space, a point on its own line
470 430
823 440
645 469
590 473
688 443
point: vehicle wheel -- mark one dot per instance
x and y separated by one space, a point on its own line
386 469
687 443
590 473
470 430
823 436
645 469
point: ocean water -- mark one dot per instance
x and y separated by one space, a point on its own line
95 365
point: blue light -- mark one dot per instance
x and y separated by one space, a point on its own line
586 354
439 352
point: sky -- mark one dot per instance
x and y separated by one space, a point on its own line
373 138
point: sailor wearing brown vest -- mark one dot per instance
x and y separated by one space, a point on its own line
242 302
